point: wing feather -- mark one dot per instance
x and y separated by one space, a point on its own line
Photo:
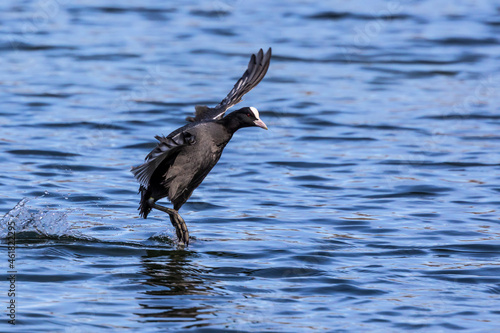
167 147
256 70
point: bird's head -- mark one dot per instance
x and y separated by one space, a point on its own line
249 116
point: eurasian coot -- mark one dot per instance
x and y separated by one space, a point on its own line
181 160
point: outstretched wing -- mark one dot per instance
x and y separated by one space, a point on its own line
257 69
168 147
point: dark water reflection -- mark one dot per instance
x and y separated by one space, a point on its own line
371 204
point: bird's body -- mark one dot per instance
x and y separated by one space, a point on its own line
184 169
181 160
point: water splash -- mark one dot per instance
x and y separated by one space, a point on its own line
46 223
30 223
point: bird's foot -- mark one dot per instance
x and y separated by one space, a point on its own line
177 221
181 229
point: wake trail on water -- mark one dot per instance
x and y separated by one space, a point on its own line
46 223
35 225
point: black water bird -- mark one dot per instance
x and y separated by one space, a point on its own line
181 160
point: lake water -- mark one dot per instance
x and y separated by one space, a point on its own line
370 205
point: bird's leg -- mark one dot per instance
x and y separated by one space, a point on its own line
178 223
181 228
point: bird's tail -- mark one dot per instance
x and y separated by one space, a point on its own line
144 207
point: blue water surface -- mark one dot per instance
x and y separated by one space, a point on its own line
370 205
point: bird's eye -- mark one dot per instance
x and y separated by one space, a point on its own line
248 115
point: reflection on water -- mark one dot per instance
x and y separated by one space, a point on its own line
171 273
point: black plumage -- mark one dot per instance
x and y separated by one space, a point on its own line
181 160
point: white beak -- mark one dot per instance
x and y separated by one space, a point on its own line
260 124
